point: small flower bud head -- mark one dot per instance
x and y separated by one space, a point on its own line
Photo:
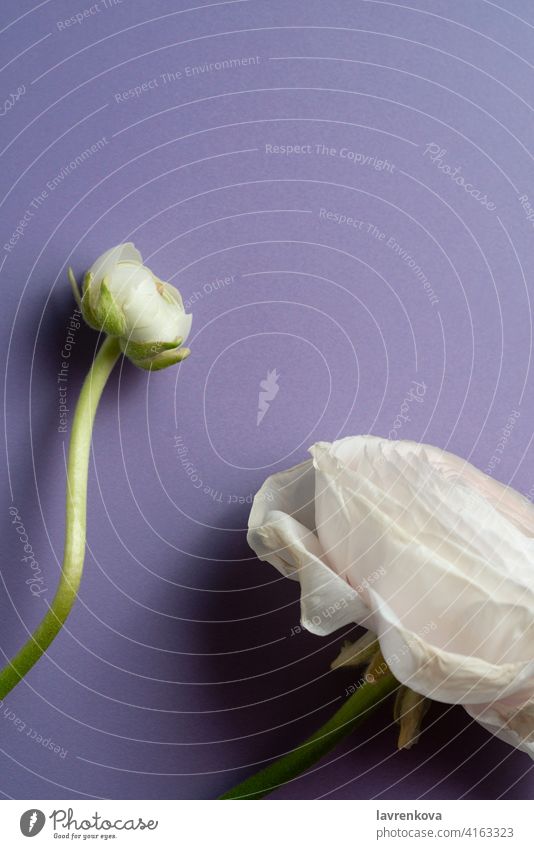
123 298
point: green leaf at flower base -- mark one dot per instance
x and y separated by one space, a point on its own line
87 280
145 350
74 286
109 317
409 711
358 653
87 310
162 360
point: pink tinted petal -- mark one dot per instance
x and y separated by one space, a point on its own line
441 675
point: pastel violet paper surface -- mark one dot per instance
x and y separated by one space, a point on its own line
452 603
292 201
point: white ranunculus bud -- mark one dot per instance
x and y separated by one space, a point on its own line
122 297
428 553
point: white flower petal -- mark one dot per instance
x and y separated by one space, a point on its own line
105 263
127 280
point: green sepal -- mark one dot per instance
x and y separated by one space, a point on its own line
108 316
99 308
87 311
74 286
144 350
162 360
87 280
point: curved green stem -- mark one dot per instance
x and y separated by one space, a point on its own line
357 708
74 552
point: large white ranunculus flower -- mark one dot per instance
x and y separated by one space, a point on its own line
428 553
123 298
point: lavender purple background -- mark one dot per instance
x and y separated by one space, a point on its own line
177 675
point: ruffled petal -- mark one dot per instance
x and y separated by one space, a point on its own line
512 723
292 492
327 601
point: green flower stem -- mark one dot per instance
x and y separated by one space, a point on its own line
74 551
357 708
